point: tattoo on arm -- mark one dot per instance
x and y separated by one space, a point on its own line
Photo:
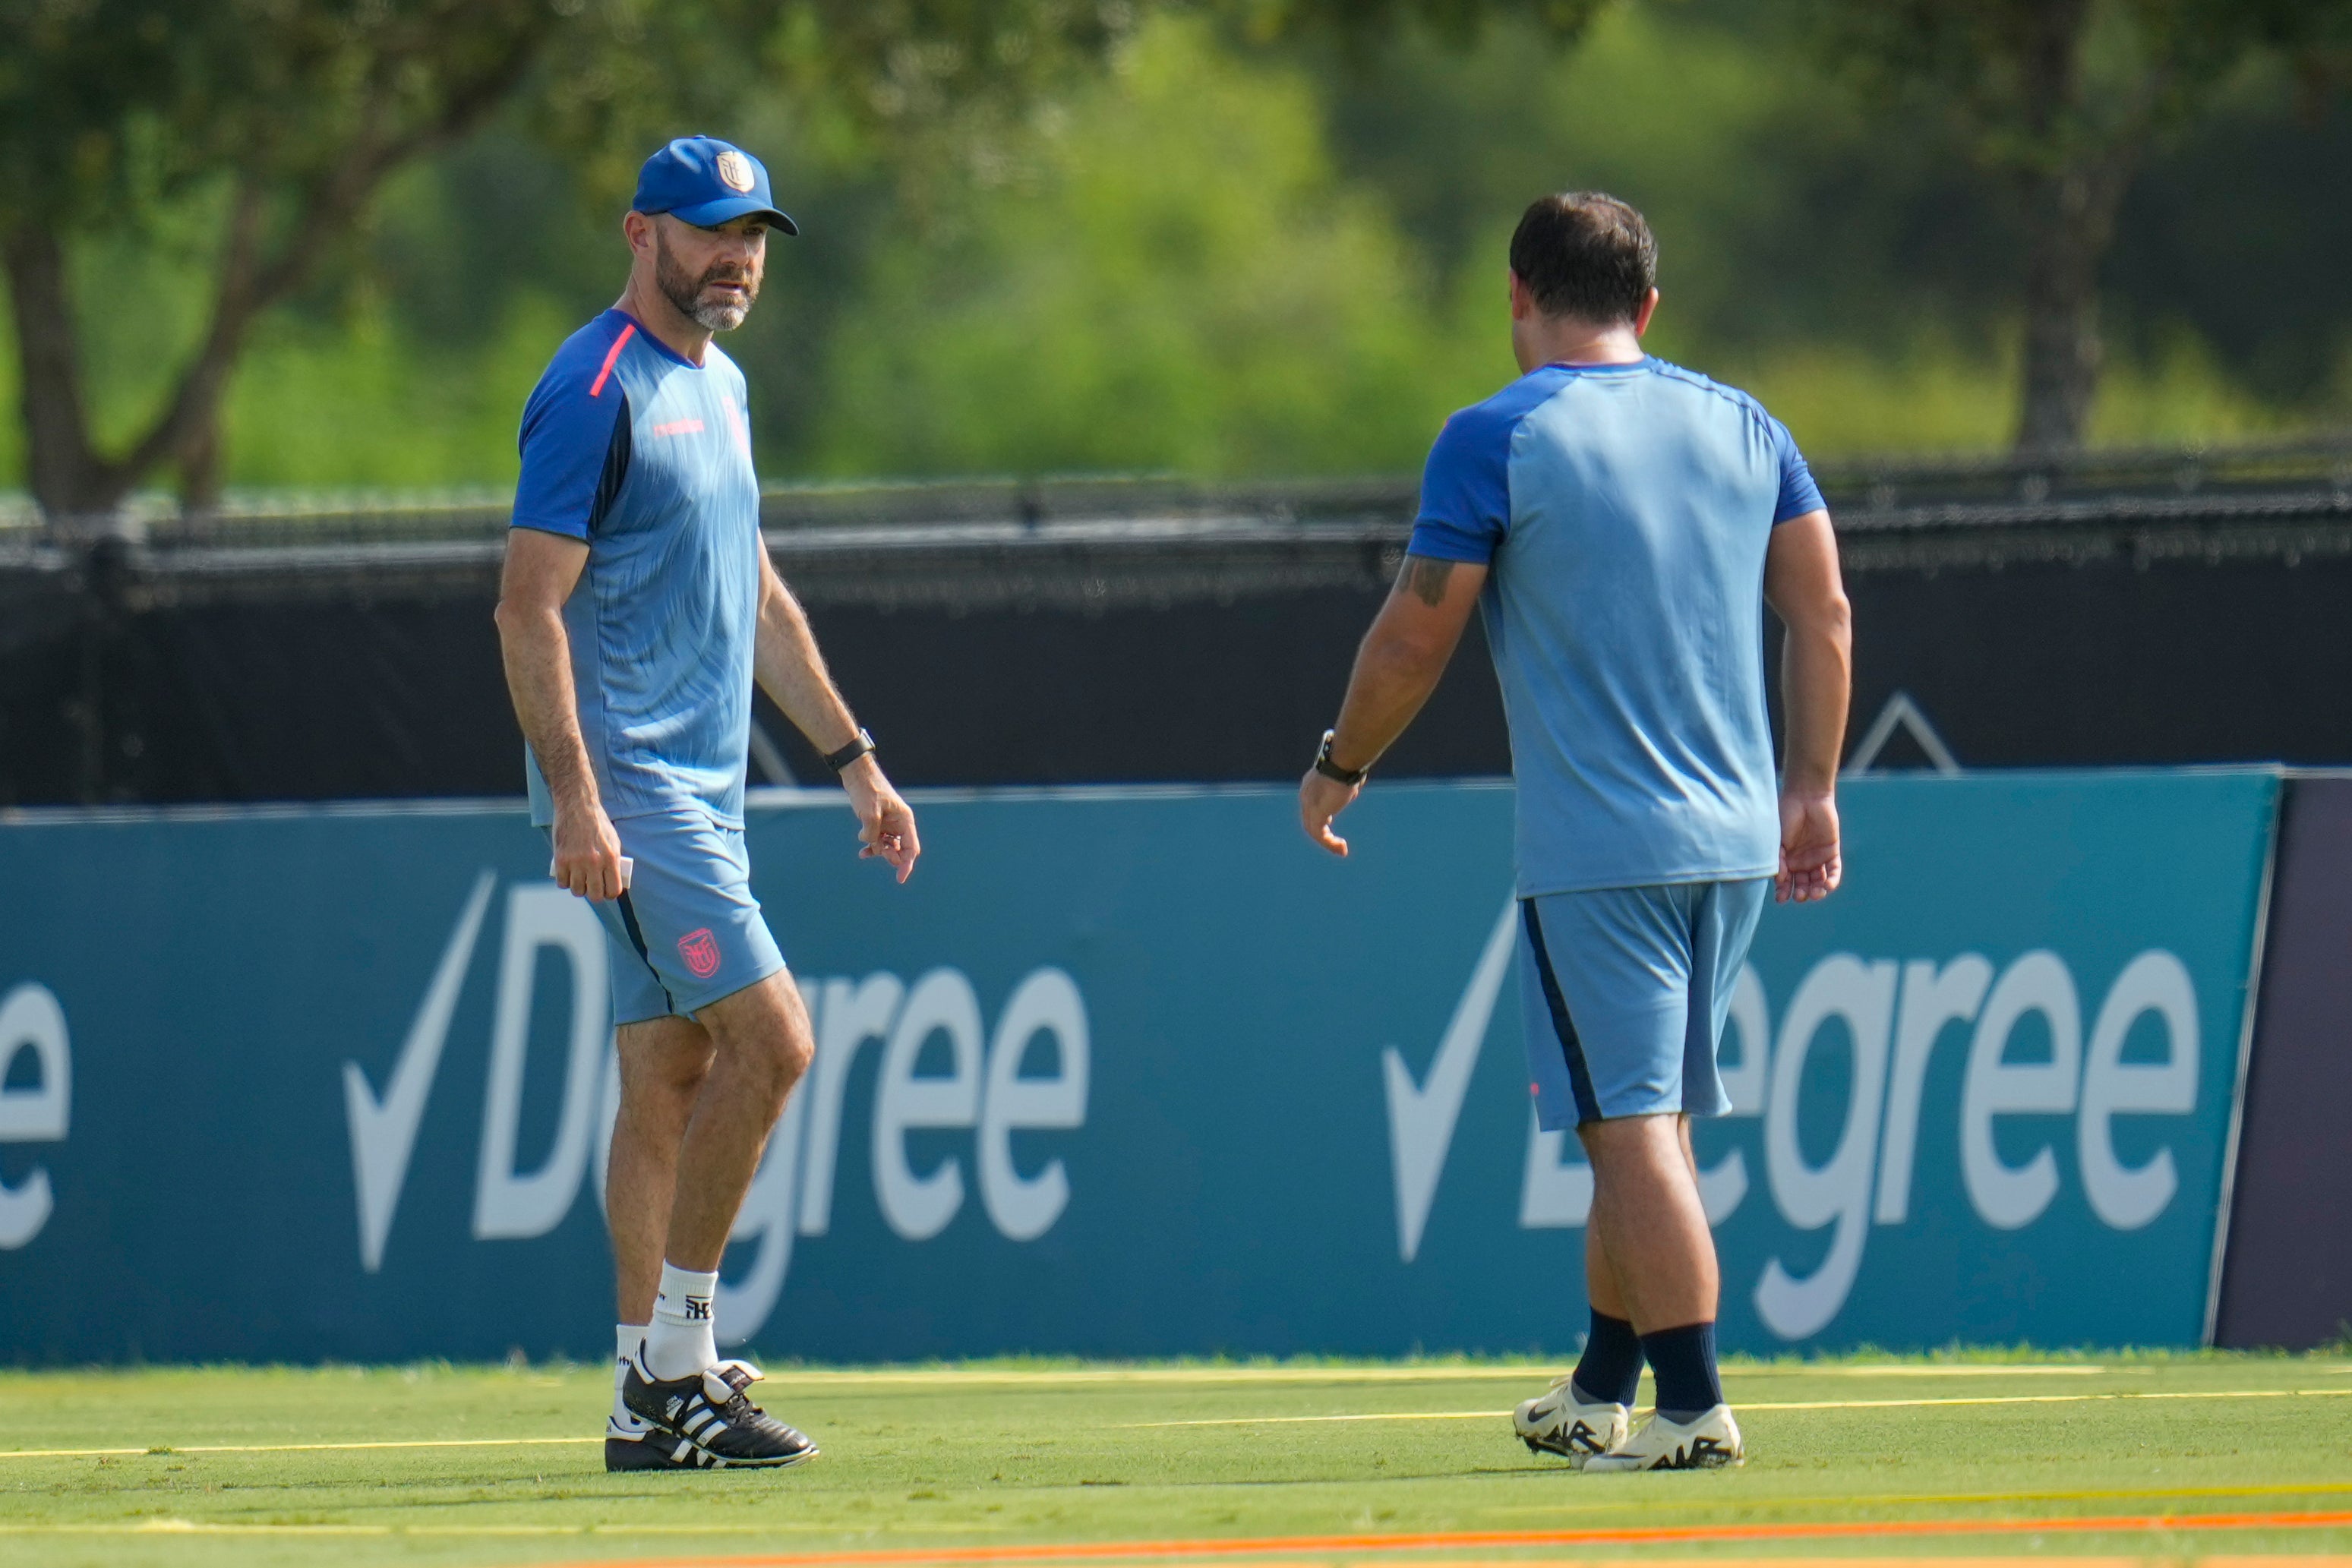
1425 578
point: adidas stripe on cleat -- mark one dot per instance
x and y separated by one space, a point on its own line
652 1449
711 1411
1711 1442
1556 1422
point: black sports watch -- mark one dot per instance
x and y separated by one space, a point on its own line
837 760
1332 770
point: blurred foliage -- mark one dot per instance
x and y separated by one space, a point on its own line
272 125
1180 282
1222 241
2065 99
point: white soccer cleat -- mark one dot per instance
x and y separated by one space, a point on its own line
1556 1422
1709 1443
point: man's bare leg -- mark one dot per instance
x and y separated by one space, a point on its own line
664 1062
1588 1416
761 1046
1600 1287
1650 1225
1654 1239
1600 1282
1610 1371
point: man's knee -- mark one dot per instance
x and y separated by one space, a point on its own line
764 1032
668 1058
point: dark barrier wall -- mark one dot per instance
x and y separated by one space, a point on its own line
303 701
1119 1072
2116 662
2289 1283
382 695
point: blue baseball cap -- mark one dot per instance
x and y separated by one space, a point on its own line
705 181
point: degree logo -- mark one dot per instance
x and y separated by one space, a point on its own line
700 951
735 169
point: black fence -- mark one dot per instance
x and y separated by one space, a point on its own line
2132 608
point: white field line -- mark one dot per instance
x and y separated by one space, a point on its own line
1885 1499
1744 1406
1273 1375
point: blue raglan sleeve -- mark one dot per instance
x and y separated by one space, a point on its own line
1465 490
1798 494
567 443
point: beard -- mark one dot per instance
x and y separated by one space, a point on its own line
686 292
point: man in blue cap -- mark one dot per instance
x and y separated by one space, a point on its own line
637 607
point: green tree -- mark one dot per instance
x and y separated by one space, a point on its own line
2064 98
276 124
1176 280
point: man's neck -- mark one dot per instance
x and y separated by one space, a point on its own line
1563 341
675 330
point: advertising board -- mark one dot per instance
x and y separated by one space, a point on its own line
1120 1073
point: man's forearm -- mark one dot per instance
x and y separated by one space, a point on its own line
1394 677
1816 672
792 672
538 655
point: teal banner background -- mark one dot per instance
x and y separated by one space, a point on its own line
1119 1072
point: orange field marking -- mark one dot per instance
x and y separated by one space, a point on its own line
1308 1545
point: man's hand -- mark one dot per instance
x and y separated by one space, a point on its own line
588 852
1810 863
885 826
1397 668
1319 801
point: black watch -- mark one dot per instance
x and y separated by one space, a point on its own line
837 760
1332 770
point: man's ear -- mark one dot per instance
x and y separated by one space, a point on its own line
1642 317
1523 304
638 230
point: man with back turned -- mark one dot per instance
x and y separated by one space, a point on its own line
1623 522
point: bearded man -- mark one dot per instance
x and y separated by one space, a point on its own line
637 607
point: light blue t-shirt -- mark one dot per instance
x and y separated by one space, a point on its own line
647 457
1624 511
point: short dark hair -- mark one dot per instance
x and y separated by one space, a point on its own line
1587 255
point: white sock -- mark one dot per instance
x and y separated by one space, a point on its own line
679 1342
626 1337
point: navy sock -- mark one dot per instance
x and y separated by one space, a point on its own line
1684 1361
1612 1369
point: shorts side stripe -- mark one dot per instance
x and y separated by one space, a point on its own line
637 940
1580 1080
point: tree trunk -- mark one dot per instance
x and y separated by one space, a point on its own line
67 478
77 487
2071 219
199 462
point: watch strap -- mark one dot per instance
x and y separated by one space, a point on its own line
837 760
1332 770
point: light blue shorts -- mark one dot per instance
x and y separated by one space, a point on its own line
688 931
1624 991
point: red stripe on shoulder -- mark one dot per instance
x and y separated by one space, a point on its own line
596 388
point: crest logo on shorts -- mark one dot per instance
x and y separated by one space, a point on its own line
735 169
700 951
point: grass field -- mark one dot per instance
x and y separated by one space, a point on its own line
2127 1456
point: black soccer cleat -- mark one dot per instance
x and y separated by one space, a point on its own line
710 1411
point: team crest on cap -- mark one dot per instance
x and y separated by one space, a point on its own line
735 169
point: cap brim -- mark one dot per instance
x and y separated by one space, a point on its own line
710 215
